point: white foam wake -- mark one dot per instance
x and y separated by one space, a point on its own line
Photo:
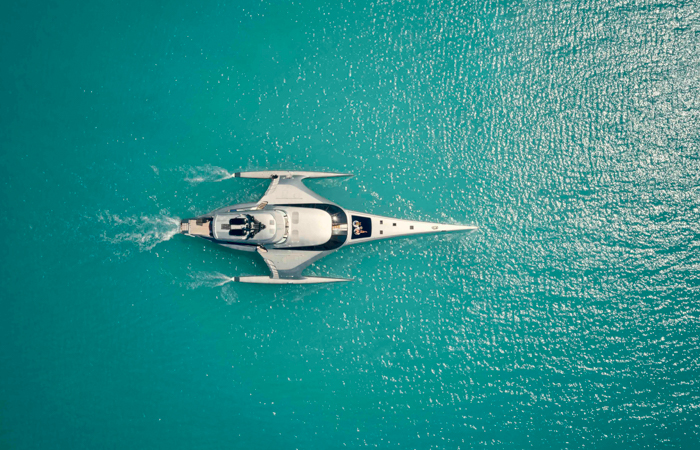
214 280
208 279
145 232
208 173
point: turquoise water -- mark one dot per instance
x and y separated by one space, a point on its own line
568 131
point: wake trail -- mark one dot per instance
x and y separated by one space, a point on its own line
208 279
214 280
145 232
206 174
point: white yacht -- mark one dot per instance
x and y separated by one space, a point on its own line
291 227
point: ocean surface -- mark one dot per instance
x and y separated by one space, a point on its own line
569 132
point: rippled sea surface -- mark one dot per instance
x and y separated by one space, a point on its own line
569 132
